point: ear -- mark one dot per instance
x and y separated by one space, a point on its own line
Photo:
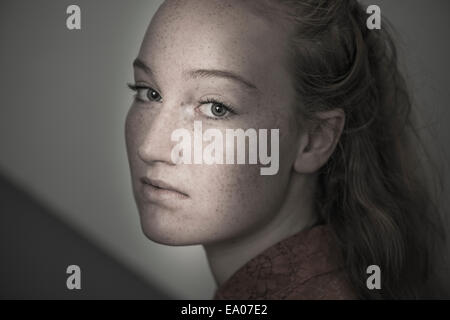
318 143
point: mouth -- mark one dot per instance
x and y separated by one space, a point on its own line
157 190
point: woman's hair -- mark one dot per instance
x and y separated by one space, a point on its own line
373 191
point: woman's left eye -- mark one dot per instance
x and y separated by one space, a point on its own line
215 110
145 94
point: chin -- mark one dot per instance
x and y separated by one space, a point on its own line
170 235
167 227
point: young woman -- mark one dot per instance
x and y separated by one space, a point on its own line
349 193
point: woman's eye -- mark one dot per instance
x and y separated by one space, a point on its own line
145 94
215 110
152 95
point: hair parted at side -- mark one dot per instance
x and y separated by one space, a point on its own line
374 190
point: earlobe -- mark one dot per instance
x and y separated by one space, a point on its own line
317 144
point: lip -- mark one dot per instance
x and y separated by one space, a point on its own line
156 190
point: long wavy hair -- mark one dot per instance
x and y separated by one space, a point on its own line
375 190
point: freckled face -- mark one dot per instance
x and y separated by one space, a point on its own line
213 202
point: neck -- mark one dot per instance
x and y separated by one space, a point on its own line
296 214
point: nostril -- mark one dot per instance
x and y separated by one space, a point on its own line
155 147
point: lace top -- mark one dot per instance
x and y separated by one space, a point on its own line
304 266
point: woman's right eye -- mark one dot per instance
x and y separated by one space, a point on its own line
145 94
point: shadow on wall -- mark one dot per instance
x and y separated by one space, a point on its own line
36 249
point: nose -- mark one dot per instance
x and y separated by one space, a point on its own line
156 145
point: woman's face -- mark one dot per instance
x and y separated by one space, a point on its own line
217 202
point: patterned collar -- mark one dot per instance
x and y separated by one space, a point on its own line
306 265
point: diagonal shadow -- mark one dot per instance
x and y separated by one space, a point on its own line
36 248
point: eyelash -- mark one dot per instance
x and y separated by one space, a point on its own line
136 87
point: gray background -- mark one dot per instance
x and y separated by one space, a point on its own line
65 187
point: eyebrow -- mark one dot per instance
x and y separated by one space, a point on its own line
202 73
139 64
212 73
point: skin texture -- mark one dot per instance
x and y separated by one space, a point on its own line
230 209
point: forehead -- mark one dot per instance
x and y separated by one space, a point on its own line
214 34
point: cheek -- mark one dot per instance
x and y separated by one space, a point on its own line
232 199
131 122
134 129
